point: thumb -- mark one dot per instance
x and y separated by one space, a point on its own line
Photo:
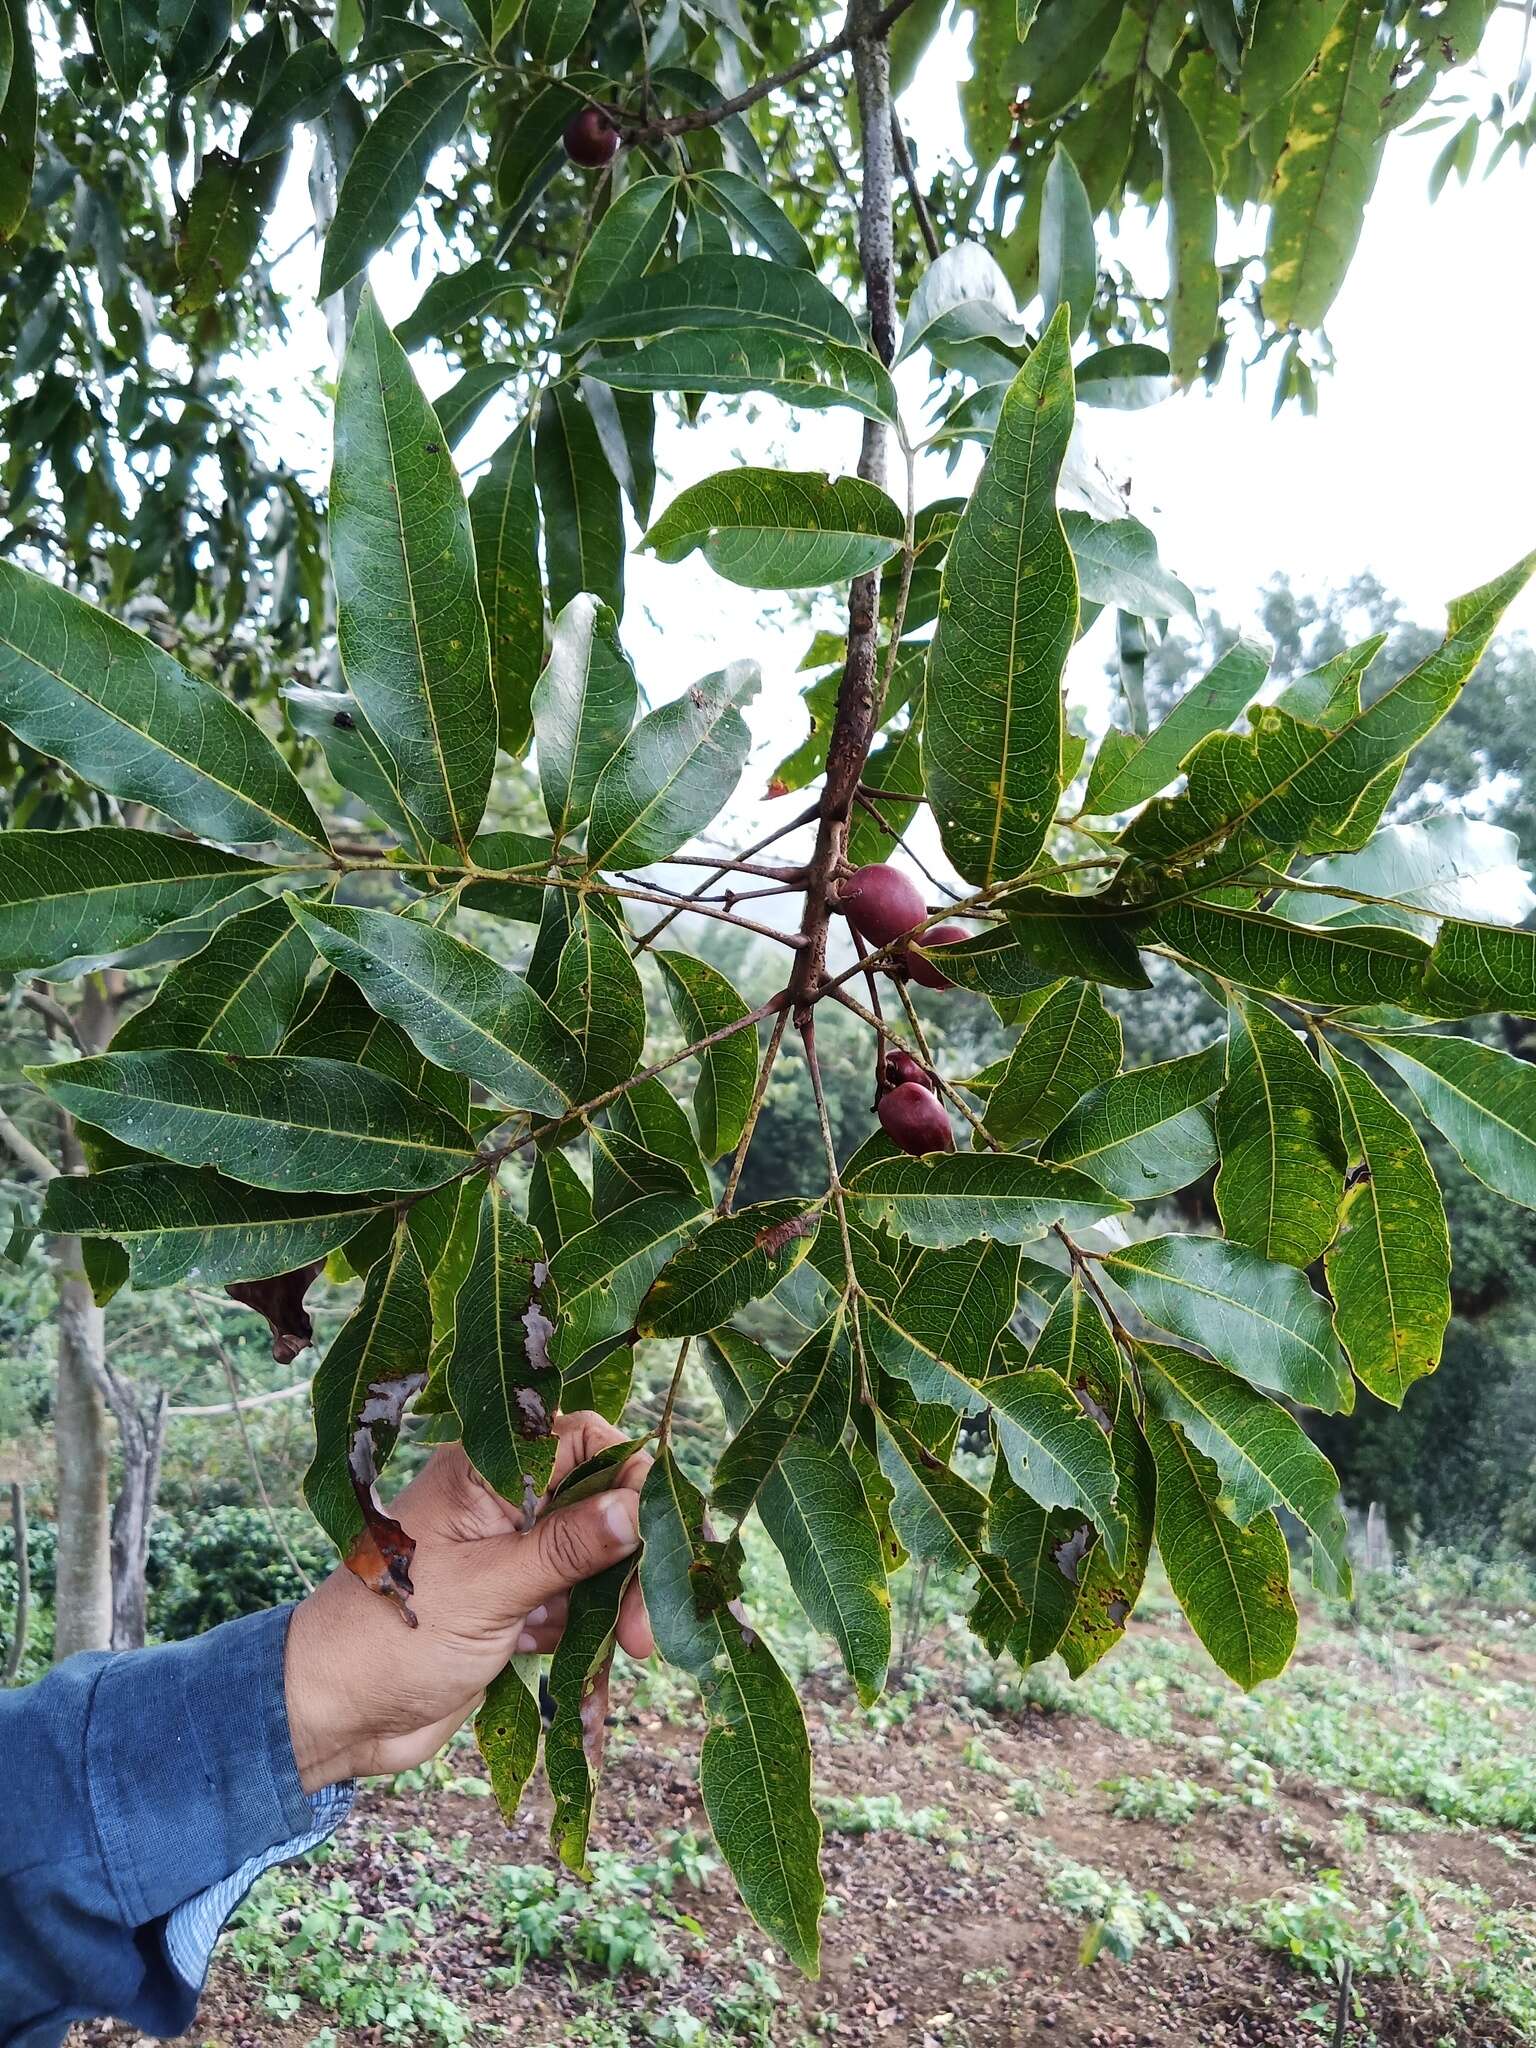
570 1544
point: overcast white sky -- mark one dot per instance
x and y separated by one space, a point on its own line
1419 464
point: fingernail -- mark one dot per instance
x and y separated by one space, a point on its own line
621 1515
534 1616
527 1642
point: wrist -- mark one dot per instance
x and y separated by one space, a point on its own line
323 1724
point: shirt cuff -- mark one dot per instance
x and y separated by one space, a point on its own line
193 1927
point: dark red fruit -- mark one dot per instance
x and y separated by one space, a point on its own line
900 1067
881 903
915 1119
591 138
928 972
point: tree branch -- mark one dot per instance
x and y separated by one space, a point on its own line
22 1149
909 178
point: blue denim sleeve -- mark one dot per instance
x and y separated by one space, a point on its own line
134 1786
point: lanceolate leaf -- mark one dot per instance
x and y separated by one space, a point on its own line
1283 43
623 244
674 772
1260 1320
221 227
1390 1267
497 1371
578 1691
18 122
1327 169
760 217
67 896
1340 966
1118 781
583 706
1078 935
941 1518
814 1508
599 1000
806 1404
456 1005
1105 1596
339 1025
703 1001
1118 563
1481 1100
602 1276
755 1767
307 81
377 1359
507 1730
1194 283
504 523
1282 1151
1070 1044
303 1125
716 291
387 172
579 500
552 28
938 1329
1262 1453
125 35
737 1259
78 685
410 624
949 1197
774 529
657 1120
239 994
1007 617
1036 1547
176 1221
1481 967
1056 1452
1068 259
813 375
1143 1134
1232 1582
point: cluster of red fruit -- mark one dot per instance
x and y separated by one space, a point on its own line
883 905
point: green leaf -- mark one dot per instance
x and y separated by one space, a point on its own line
623 1171
18 121
1349 965
125 36
1481 1100
303 1125
410 625
578 1690
715 291
652 1117
734 1260
175 1221
1007 618
462 1009
1260 1320
1143 1134
497 1372
745 202
1282 1150
1077 935
1118 563
458 298
673 773
1449 865
553 28
962 297
79 686
1297 773
1265 1458
805 1404
1283 43
1056 1453
1062 51
798 369
599 1000
77 896
193 35
602 1276
352 753
1194 282
1480 967
220 230
239 994
583 706
389 167
559 1204
1070 1044
814 1508
466 398
1327 170
1389 1269
339 1025
755 1765
504 525
994 964
579 500
507 1730
704 1002
1034 1546
1119 782
1126 377
950 1197
1234 1584
1104 1597
376 1360
1069 262
986 97
937 1325
773 529
942 1519
624 243
307 81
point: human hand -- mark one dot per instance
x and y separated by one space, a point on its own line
367 1695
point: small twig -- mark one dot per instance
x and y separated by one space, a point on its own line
55 1014
24 1151
866 802
851 1287
664 1427
874 1003
694 903
909 176
649 938
1341 2010
759 1096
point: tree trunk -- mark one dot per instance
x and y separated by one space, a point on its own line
83 1601
141 1434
